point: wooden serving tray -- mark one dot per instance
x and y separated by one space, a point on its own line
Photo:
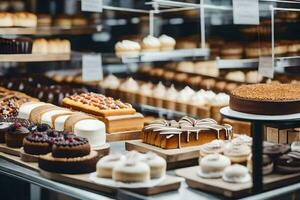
9 150
233 190
82 180
120 136
176 158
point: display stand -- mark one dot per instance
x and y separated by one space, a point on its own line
258 122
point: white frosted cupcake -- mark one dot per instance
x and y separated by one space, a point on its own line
150 44
129 90
145 93
170 98
127 48
183 99
158 94
219 101
167 43
110 84
196 104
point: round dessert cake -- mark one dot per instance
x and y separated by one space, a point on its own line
72 155
266 99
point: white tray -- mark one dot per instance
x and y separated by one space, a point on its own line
227 112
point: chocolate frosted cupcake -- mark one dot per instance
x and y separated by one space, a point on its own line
276 150
72 146
39 142
15 46
15 135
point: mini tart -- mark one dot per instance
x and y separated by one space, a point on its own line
236 174
4 127
131 171
267 163
267 99
212 166
214 147
71 147
157 165
106 164
288 163
237 153
78 165
15 135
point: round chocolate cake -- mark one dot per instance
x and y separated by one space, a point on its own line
266 99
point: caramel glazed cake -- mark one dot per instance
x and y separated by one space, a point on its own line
266 99
186 132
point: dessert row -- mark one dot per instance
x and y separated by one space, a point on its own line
195 103
19 19
148 44
37 46
40 87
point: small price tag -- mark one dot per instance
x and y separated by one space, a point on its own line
265 67
92 68
92 5
245 12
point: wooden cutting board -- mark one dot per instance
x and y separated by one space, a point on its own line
233 190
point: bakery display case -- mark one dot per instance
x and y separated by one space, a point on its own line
151 99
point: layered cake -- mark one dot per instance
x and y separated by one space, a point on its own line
71 155
266 99
117 116
61 119
185 132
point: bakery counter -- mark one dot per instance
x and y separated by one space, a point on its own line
32 177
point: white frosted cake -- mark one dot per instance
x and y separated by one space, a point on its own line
93 130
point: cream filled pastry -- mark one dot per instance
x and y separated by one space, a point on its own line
213 147
242 139
267 164
186 66
253 77
59 122
146 89
236 174
208 95
131 170
105 165
212 166
167 43
238 153
171 94
156 163
150 44
198 99
236 76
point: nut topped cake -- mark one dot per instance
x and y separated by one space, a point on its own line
98 104
266 99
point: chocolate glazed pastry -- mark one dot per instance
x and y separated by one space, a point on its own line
15 135
289 163
71 147
276 150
